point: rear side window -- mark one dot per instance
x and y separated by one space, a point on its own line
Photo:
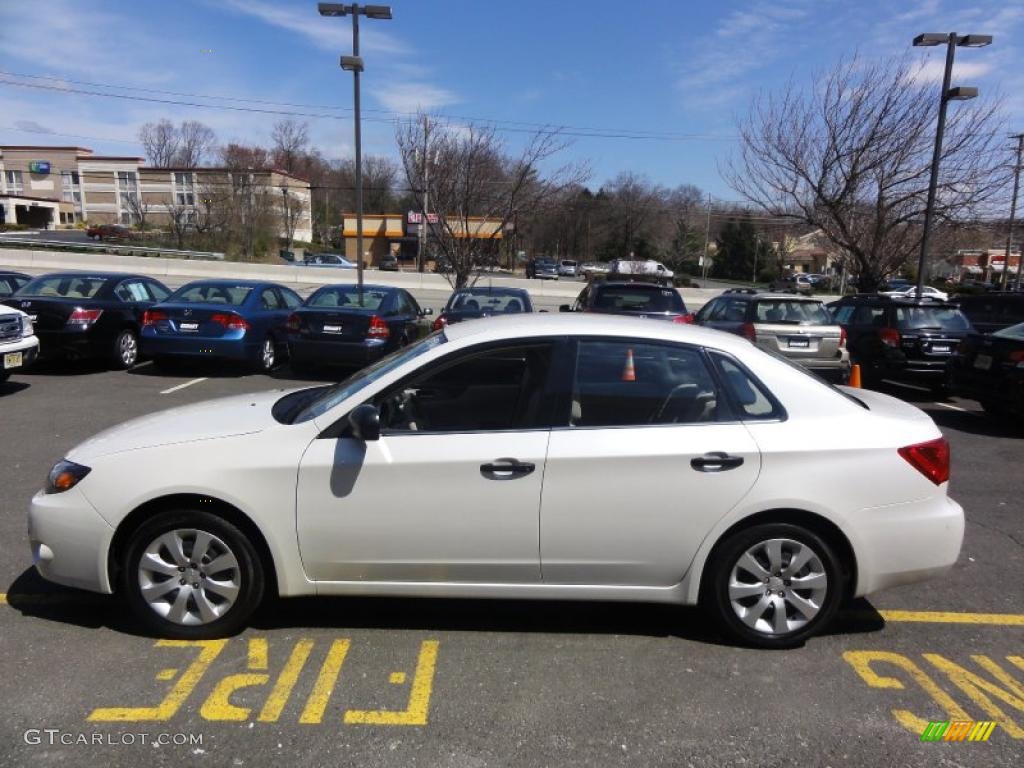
842 314
790 312
623 384
868 315
753 401
290 298
269 300
730 311
931 318
66 286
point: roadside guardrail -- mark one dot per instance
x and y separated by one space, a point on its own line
128 250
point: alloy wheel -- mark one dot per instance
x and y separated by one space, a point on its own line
777 586
267 356
189 577
128 348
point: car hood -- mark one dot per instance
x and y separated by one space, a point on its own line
224 417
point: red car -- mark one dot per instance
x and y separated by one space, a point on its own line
110 232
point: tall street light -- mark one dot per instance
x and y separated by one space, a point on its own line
354 64
952 41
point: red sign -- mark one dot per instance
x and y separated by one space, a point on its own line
415 217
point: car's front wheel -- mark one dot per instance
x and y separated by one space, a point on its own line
773 585
192 575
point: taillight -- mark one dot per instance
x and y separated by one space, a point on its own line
842 337
749 332
890 337
84 317
378 328
153 316
686 319
931 459
231 321
292 323
1017 357
440 323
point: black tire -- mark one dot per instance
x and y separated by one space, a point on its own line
940 390
715 597
125 352
252 580
4 376
994 409
263 364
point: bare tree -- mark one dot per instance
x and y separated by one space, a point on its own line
197 142
138 207
180 219
852 156
291 138
476 187
160 141
291 212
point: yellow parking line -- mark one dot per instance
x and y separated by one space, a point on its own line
948 617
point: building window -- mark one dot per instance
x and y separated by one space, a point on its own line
128 194
72 187
184 189
15 185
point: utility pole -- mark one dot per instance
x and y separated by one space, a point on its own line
1013 215
426 194
707 240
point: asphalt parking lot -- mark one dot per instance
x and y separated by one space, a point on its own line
368 682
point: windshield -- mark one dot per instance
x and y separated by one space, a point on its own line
1015 332
64 286
792 312
483 300
362 378
211 293
639 298
346 296
937 318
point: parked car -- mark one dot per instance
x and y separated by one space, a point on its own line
457 465
239 320
646 268
796 283
339 325
927 291
541 269
796 327
18 343
896 285
113 233
901 338
567 268
990 312
388 263
11 282
989 368
482 301
634 298
593 269
326 260
95 315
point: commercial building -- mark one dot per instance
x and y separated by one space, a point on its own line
399 235
47 187
985 263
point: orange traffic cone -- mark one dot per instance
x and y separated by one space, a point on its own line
855 375
629 372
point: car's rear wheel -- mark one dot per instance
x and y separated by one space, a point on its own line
126 349
192 575
267 356
773 585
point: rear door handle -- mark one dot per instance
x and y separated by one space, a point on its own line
716 461
506 469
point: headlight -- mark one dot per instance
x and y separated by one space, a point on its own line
64 476
26 327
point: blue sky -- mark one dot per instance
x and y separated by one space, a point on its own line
679 69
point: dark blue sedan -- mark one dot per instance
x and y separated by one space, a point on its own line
240 320
339 325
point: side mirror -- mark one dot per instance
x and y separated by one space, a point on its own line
564 308
426 311
365 422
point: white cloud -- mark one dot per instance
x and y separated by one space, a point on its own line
330 34
412 97
932 71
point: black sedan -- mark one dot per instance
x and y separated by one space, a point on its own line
341 325
470 303
634 299
89 314
990 369
11 282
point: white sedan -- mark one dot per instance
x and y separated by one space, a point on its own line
566 457
927 292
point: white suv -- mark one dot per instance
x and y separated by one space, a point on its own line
18 344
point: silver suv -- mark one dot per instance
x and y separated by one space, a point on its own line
797 327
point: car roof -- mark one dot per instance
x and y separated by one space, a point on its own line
583 324
366 287
497 290
12 273
225 281
755 295
927 301
97 275
628 284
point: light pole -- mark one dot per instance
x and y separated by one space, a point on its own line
354 64
952 41
1013 215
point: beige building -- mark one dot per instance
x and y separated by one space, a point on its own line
398 234
47 187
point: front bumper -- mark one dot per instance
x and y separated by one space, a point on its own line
70 541
315 352
904 543
29 348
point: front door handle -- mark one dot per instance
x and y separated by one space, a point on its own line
506 469
716 461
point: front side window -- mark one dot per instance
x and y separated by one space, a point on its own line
132 291
500 389
624 383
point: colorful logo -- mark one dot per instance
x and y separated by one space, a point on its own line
41 167
958 730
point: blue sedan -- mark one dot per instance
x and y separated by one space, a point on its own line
240 320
